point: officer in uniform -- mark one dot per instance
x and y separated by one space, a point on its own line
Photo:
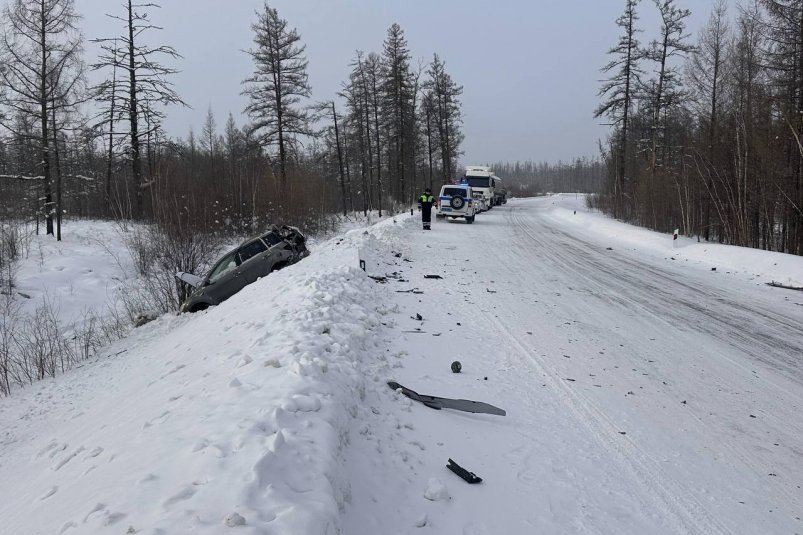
425 203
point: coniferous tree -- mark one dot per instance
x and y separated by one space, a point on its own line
396 104
620 94
443 103
665 92
277 86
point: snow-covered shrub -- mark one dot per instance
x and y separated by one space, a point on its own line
14 240
88 336
9 318
159 253
42 350
36 346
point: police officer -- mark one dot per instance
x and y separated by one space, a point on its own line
425 203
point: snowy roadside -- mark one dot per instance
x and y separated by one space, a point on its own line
644 395
745 263
239 415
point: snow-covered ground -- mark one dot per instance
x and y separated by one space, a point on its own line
81 273
645 393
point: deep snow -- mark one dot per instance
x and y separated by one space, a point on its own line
644 392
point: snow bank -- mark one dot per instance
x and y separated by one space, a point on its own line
237 416
747 263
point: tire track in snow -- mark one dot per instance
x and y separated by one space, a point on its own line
686 513
689 515
723 319
683 512
775 346
644 293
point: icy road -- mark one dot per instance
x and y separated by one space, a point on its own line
644 394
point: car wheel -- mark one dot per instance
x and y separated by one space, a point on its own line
277 266
457 202
469 220
199 307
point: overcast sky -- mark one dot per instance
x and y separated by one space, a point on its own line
529 68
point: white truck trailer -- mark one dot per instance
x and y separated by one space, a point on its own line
482 179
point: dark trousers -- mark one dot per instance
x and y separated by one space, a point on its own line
426 214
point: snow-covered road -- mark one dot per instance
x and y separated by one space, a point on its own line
644 394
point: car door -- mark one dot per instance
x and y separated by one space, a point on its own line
279 251
253 262
225 278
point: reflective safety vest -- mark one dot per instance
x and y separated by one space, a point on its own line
426 198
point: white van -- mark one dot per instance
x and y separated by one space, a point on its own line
482 179
456 200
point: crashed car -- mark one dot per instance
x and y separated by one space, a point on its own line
254 258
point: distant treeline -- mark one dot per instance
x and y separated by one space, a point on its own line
67 147
525 179
706 131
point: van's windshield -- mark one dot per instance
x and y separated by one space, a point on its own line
478 181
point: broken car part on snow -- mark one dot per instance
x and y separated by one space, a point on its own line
438 403
468 477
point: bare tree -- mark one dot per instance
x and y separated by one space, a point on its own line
42 48
371 75
358 129
328 109
783 30
277 86
705 72
145 88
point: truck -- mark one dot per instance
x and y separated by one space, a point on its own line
500 193
482 179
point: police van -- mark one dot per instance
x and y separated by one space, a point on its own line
482 180
456 200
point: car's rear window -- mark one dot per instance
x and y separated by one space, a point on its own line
271 238
454 192
251 249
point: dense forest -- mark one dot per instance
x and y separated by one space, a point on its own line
84 137
99 150
707 129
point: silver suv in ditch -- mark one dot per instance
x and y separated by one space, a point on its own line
253 259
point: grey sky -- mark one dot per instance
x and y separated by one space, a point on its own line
529 68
